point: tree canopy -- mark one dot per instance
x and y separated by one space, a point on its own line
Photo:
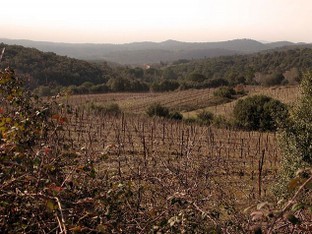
259 112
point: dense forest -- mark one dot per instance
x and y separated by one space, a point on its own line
49 73
48 68
248 69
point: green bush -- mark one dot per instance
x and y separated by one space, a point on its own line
226 92
221 122
296 136
273 79
190 120
164 86
216 82
196 77
156 109
260 113
176 115
100 88
205 117
295 141
208 83
118 84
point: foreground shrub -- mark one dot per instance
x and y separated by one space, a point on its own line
29 171
298 133
296 137
260 113
292 213
45 185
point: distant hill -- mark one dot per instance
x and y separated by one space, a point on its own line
151 52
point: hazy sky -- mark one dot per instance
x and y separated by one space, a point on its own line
119 21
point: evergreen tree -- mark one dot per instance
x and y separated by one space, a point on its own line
296 137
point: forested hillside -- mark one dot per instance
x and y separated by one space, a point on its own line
267 68
48 68
48 72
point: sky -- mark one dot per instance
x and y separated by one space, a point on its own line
123 21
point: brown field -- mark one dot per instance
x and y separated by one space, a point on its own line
211 165
189 158
219 170
86 167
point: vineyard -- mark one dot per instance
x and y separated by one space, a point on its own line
66 168
188 101
195 159
219 171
